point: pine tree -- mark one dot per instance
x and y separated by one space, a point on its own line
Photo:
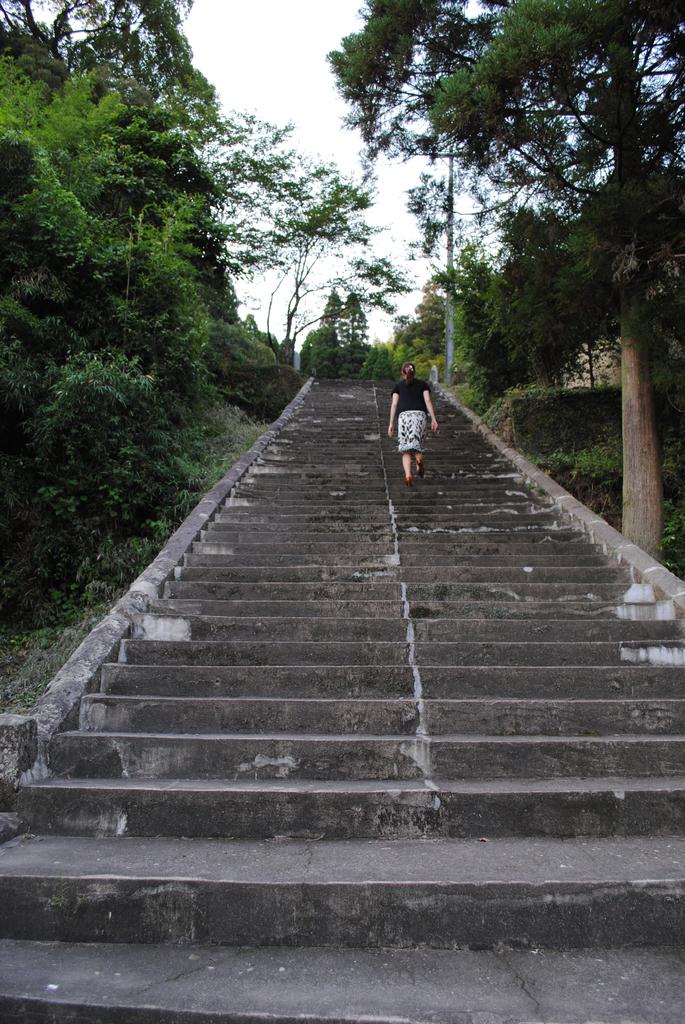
353 332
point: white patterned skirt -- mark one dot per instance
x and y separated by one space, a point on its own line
411 427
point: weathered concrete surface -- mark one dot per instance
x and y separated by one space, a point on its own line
18 751
52 984
598 894
352 809
9 826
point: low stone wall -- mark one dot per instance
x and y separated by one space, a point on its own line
24 739
657 592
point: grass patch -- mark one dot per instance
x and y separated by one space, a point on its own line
28 661
592 475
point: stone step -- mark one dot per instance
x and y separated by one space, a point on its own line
340 681
270 591
522 717
331 493
324 544
350 809
447 630
244 533
395 681
555 652
442 544
533 534
250 533
240 516
222 985
415 567
262 652
342 652
362 552
355 504
338 610
374 588
294 474
334 532
456 488
479 573
529 611
340 536
379 557
104 713
440 514
455 481
369 466
522 591
159 625
501 519
530 608
550 682
361 756
496 717
230 569
598 894
372 513
408 499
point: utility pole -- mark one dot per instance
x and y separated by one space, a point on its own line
449 305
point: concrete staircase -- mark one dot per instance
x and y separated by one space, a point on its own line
380 753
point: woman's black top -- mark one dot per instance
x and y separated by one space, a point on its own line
411 396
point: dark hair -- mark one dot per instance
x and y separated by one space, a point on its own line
408 366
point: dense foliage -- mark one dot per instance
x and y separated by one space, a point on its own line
338 346
420 338
114 303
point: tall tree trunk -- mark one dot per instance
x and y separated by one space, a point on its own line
288 351
642 481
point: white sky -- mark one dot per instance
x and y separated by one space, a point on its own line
268 57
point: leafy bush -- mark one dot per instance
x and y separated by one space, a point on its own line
545 420
261 391
674 537
116 317
593 475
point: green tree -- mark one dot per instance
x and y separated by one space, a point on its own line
319 237
483 348
142 39
354 332
325 351
428 322
387 72
378 364
551 300
323 348
112 282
